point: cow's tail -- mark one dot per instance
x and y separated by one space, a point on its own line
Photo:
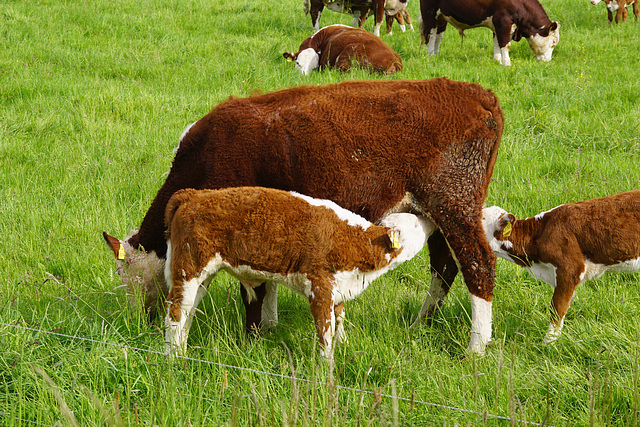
178 198
306 7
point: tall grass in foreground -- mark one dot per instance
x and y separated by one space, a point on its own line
93 98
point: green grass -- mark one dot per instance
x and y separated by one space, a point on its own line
93 98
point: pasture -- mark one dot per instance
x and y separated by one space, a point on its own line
93 99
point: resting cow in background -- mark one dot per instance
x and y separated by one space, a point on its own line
256 234
358 9
508 19
570 244
426 147
620 8
339 46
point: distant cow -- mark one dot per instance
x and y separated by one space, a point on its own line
314 247
403 18
620 8
426 147
508 19
339 46
570 244
358 9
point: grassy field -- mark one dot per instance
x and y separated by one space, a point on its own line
93 98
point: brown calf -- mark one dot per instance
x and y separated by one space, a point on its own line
570 244
374 147
314 247
339 46
620 8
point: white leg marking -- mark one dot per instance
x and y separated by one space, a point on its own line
497 54
435 298
431 46
553 333
481 318
504 51
376 29
403 28
327 338
177 333
355 22
270 306
341 335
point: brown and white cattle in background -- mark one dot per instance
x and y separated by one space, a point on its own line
340 46
314 247
570 244
508 19
393 9
358 9
403 18
619 7
426 147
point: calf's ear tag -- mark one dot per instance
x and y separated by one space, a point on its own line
395 239
121 252
506 232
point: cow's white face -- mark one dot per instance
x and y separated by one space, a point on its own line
307 61
494 221
543 46
142 274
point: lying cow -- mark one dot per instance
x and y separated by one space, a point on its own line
326 253
374 147
358 9
340 46
508 19
620 8
570 244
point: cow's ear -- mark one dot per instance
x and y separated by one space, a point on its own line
115 245
553 26
506 225
289 56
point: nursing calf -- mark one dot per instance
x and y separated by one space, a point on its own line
570 244
316 248
426 147
340 46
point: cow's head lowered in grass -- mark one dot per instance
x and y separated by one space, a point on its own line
426 147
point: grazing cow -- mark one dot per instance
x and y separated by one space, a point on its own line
620 8
358 9
426 147
508 19
328 254
570 244
339 46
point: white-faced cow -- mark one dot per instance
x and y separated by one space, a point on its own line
619 7
570 244
358 9
340 46
508 19
426 147
256 234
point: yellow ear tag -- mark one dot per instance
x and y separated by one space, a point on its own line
289 59
506 232
121 252
395 239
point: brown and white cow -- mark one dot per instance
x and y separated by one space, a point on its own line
340 46
314 247
358 9
508 19
403 18
570 244
373 147
620 9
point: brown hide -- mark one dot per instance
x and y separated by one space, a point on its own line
603 231
425 146
269 231
339 45
357 8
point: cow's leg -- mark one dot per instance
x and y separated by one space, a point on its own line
270 306
341 335
636 9
429 27
253 298
363 17
390 19
502 40
183 300
316 11
407 18
378 13
610 16
324 316
443 273
567 279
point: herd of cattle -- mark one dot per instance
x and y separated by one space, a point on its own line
283 188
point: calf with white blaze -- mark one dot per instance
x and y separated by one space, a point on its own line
570 244
339 46
620 9
508 19
314 247
426 147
